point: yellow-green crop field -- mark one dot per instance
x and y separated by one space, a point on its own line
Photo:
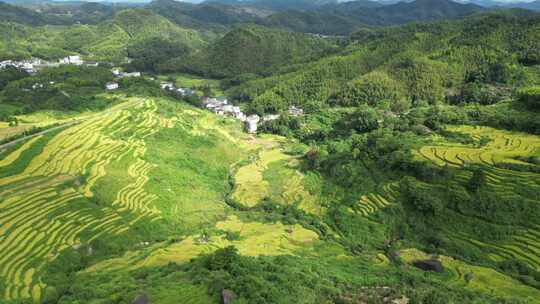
43 204
141 166
272 174
499 147
46 118
482 279
255 239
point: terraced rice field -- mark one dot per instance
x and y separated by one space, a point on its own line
47 206
273 174
372 202
255 239
485 280
502 147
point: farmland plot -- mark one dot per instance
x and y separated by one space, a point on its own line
47 203
499 154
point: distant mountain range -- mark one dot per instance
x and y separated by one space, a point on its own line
535 5
323 16
331 17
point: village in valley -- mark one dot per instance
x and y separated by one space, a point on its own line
33 65
218 105
221 106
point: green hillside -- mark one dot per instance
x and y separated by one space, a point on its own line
125 210
107 41
411 176
252 49
347 17
431 62
12 13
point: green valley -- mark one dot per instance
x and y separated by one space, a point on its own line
269 152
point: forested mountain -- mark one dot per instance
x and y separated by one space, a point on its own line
22 15
395 160
278 5
346 17
86 12
531 5
251 49
107 40
446 54
206 15
419 10
534 5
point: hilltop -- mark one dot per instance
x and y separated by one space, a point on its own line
106 41
251 49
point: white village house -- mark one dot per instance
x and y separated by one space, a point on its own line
75 60
121 74
251 123
221 106
111 86
295 111
133 74
165 85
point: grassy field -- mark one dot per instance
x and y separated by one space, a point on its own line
252 239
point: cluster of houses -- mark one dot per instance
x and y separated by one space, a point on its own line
169 86
32 65
111 86
120 74
221 106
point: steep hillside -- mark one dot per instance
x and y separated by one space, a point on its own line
85 12
252 49
207 14
141 24
153 194
124 149
431 129
316 22
410 175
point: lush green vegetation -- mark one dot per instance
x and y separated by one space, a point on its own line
108 40
66 87
251 50
432 63
418 142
